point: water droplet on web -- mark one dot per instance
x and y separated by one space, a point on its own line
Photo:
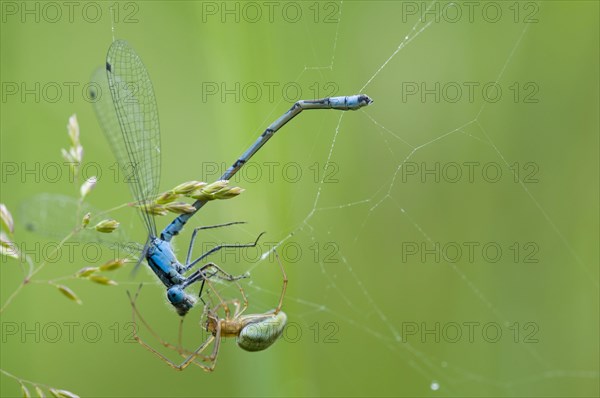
434 386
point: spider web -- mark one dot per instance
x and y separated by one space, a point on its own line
352 300
356 286
368 292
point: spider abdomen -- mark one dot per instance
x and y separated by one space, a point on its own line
260 332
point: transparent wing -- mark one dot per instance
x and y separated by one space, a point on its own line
56 216
107 117
130 122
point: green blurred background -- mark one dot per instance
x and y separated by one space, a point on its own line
359 304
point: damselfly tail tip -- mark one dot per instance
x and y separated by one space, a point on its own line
359 101
364 100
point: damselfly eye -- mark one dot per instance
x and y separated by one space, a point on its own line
175 295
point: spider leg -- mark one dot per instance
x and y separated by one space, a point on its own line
222 304
191 355
239 310
137 315
202 275
284 287
212 358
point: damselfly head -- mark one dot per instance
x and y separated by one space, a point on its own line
180 300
